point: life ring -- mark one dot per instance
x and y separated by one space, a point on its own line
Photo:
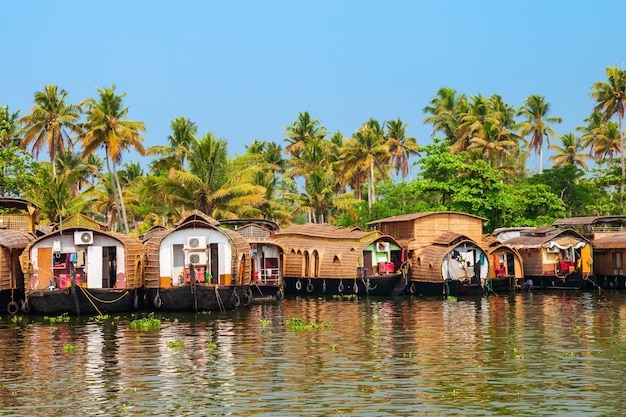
247 298
412 288
25 306
279 294
13 308
309 287
298 285
324 287
136 302
356 288
234 300
157 301
340 286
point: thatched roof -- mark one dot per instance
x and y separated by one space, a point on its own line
199 217
14 239
19 203
428 260
414 216
325 231
536 238
238 223
590 220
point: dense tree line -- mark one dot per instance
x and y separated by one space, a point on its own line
475 162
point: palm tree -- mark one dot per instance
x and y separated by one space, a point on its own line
401 147
210 185
494 143
49 122
301 131
174 156
444 113
367 151
536 111
610 97
570 152
107 128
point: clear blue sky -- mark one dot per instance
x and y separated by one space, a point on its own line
245 69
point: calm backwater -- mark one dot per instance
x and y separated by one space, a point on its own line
525 354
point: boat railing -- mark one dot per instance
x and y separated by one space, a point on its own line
270 276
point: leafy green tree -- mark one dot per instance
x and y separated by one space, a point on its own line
108 128
49 122
537 124
16 166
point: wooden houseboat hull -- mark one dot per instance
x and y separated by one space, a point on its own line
375 286
572 281
198 298
445 288
262 292
77 300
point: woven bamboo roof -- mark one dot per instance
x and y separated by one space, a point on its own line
80 221
325 231
414 216
19 203
431 257
14 239
615 240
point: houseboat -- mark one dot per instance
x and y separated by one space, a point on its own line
608 238
326 260
266 256
445 249
553 258
82 268
18 220
196 266
507 267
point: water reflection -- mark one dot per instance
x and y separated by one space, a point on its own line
523 354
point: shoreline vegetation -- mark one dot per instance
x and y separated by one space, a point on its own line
74 158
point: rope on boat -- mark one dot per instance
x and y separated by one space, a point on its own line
220 303
90 300
256 284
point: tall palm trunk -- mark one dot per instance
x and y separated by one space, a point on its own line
118 187
113 190
621 185
372 195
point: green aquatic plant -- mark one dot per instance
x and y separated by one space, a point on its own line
298 324
452 299
63 318
211 346
264 322
175 344
71 348
332 346
100 318
146 323
346 297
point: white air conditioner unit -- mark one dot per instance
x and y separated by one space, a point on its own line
382 246
196 242
195 258
84 237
